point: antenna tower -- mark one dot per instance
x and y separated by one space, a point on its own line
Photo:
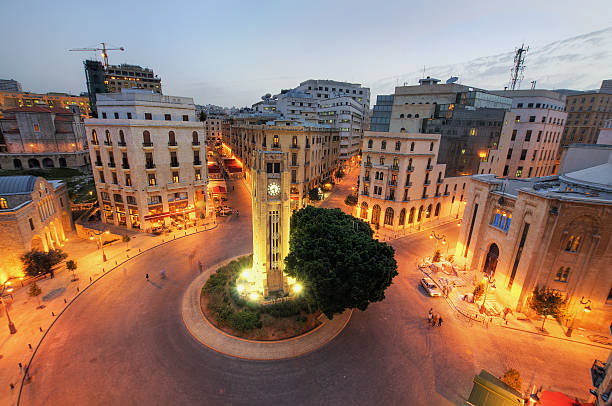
516 74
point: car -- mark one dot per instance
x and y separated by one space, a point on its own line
430 287
224 211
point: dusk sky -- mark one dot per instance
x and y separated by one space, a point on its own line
230 53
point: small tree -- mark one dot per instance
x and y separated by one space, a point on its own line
478 291
512 378
547 302
37 263
351 200
71 265
313 194
126 239
35 291
437 256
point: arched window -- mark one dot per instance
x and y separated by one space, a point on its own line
573 243
375 214
562 274
33 163
369 143
428 211
402 130
121 137
383 145
408 115
431 146
398 145
411 216
389 216
420 214
402 217
416 115
171 138
3 203
146 138
437 212
412 146
364 210
401 116
62 162
48 163
107 139
94 137
17 163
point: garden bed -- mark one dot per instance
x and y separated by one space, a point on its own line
224 308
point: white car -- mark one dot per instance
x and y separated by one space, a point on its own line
430 287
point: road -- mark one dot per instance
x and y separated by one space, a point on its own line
123 343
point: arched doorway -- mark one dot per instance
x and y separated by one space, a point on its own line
48 163
33 163
364 210
389 216
17 163
411 216
375 214
491 260
62 162
402 217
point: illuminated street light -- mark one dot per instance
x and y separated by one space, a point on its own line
253 296
240 288
297 288
11 325
441 237
99 235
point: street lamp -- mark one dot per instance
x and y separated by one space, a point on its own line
8 289
587 309
99 235
441 237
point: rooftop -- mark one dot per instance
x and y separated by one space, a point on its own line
16 185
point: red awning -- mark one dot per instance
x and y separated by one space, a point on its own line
559 399
219 189
169 213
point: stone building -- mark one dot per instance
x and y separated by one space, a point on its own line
149 159
586 114
313 152
34 214
42 137
553 232
530 137
401 187
13 99
215 126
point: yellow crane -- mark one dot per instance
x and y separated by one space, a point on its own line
104 50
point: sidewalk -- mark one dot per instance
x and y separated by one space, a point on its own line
31 322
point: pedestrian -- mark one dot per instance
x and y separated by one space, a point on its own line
147 276
430 316
439 321
20 366
200 266
237 213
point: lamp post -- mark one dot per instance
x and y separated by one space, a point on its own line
99 235
488 280
587 308
441 237
8 289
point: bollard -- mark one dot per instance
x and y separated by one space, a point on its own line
20 366
115 262
65 301
53 314
30 346
77 288
90 279
40 328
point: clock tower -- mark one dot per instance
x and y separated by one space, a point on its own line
271 215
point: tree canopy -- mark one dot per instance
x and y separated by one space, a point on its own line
547 302
38 262
351 200
339 263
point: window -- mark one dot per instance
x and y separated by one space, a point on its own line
128 180
167 117
171 138
116 116
146 138
185 117
31 224
573 243
382 160
528 135
519 171
406 198
539 136
383 145
129 116
195 140
148 116
115 181
175 177
431 145
428 212
389 216
562 274
275 142
398 145
437 212
501 220
411 146
523 154
3 203
152 180
532 119
509 156
101 173
103 115
518 119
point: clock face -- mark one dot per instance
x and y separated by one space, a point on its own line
273 189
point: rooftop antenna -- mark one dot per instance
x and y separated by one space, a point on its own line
516 74
533 83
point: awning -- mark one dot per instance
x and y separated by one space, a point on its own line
218 189
559 399
169 213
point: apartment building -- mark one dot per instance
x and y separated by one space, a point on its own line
401 185
531 136
468 119
149 158
43 137
312 152
10 85
214 127
11 99
586 114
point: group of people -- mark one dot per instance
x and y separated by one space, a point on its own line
434 318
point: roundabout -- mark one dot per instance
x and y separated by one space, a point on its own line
212 337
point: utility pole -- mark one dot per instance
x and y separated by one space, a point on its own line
516 74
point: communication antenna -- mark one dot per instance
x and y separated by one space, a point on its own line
533 83
516 74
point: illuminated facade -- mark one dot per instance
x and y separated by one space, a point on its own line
149 160
552 232
42 137
586 114
126 76
271 216
65 101
34 214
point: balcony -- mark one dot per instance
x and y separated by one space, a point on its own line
410 169
295 146
392 183
174 164
427 182
429 168
172 144
446 194
306 163
368 164
94 142
98 163
111 164
108 143
440 181
277 146
147 145
425 196
195 143
392 198
307 146
365 193
395 167
366 178
122 144
408 184
196 162
125 165
149 165
437 194
293 164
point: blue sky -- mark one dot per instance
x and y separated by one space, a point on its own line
231 53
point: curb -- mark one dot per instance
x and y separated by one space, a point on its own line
104 273
253 350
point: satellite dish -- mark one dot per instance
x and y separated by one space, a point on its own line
452 79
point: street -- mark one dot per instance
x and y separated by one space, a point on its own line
123 341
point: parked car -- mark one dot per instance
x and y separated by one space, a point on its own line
224 211
430 287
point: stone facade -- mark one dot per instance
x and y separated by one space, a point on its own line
149 160
42 137
552 232
586 114
34 214
11 99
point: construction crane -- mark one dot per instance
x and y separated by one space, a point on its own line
104 50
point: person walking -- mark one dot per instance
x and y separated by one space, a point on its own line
430 316
147 276
200 266
439 321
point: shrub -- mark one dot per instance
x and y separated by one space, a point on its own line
244 321
512 378
350 200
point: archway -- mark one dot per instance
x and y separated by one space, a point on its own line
33 163
491 260
17 163
48 163
375 214
402 217
62 162
364 210
389 216
411 216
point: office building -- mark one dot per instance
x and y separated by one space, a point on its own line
531 135
43 137
149 158
10 85
34 214
586 114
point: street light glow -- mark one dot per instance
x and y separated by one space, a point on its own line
240 288
253 296
245 274
297 288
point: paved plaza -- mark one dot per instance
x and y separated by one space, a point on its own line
123 341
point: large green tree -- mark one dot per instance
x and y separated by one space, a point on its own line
339 263
547 302
38 262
